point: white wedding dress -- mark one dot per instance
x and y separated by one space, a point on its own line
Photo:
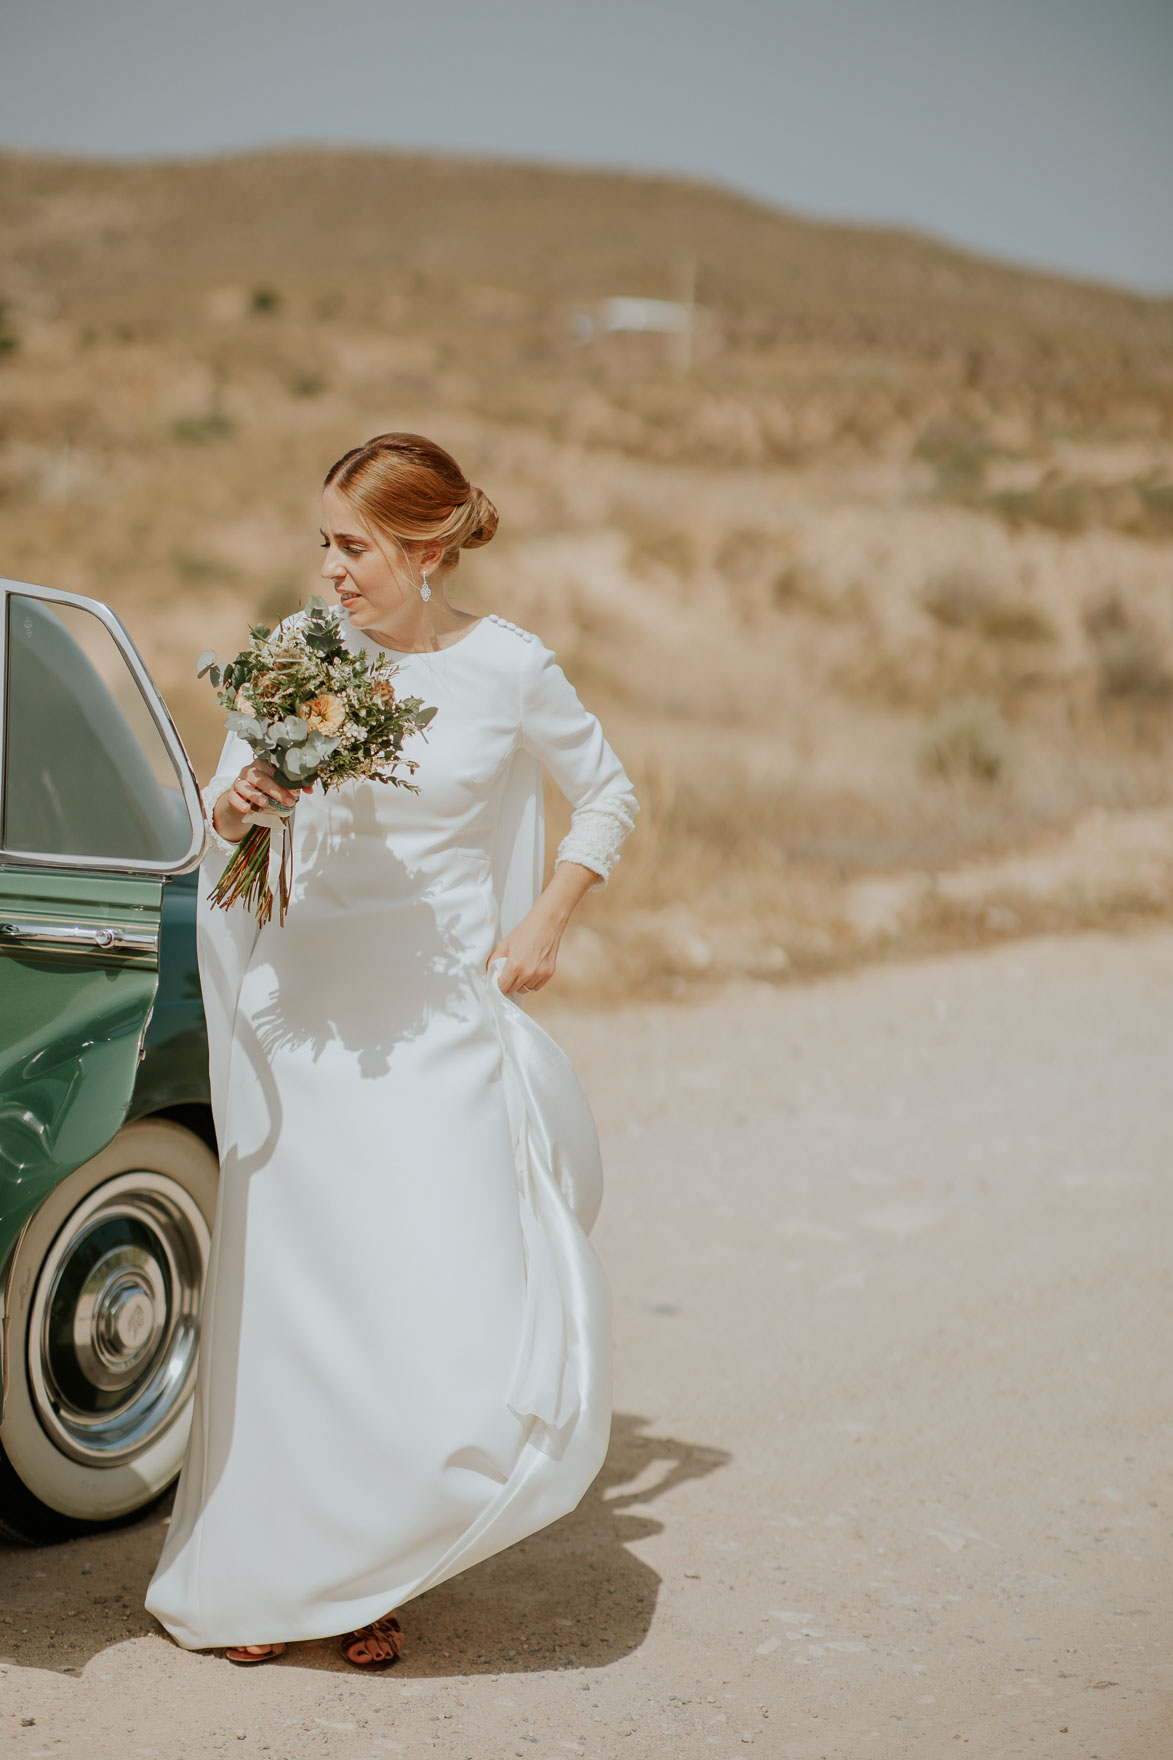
406 1353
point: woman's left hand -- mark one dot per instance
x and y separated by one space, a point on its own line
530 953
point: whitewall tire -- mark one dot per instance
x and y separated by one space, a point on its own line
104 1302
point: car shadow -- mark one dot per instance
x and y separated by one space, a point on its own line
569 1596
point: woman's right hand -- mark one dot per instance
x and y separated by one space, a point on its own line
256 786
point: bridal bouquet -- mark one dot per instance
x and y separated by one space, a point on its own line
318 713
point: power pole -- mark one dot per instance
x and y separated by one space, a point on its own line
680 341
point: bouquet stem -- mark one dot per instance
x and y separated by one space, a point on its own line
256 871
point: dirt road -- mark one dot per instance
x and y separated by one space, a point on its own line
889 1470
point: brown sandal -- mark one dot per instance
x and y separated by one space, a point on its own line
385 1634
244 1655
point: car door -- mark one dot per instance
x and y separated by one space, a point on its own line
98 806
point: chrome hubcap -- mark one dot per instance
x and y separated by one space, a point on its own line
114 1327
120 1314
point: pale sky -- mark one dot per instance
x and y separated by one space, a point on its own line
1040 131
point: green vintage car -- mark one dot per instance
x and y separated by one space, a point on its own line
108 1164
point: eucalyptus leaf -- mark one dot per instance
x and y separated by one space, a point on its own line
247 726
298 763
318 746
205 662
290 732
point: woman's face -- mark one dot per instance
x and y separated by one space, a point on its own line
374 581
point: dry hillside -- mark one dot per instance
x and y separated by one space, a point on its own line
874 599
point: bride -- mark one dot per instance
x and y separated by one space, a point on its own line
406 1354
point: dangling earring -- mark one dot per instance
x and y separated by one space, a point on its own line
425 590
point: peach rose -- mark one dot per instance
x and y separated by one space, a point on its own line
325 713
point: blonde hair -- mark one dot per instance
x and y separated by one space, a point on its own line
410 488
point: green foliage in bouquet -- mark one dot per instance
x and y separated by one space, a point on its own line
316 712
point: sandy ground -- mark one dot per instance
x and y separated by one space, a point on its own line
891 1440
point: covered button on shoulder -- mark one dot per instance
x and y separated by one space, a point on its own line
525 634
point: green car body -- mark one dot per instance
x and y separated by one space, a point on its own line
89 1075
108 1164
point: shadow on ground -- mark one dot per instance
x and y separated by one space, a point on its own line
570 1596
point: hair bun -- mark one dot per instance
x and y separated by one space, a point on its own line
408 487
485 521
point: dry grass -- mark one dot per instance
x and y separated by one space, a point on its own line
866 601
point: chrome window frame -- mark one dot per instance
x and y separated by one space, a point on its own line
160 715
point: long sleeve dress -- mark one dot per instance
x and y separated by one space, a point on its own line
405 1363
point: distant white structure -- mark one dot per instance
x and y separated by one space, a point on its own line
676 318
667 315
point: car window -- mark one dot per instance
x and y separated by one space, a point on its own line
86 770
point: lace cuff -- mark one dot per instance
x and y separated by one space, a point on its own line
596 835
210 796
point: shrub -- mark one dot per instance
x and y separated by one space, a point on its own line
1105 618
283 595
1156 500
199 430
1130 660
958 452
202 568
9 336
1064 504
798 587
744 556
265 299
966 739
660 547
959 599
1009 620
1131 665
1140 505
